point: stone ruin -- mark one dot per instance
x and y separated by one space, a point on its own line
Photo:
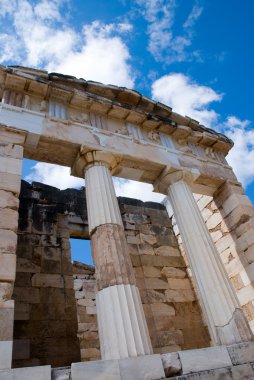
172 291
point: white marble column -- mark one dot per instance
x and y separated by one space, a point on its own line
226 320
122 326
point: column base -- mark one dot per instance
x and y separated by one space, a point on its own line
237 330
122 325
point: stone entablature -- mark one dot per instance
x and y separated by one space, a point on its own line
103 117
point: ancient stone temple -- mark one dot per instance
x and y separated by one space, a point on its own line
171 294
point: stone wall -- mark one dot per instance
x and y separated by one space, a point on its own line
11 154
50 326
45 325
229 217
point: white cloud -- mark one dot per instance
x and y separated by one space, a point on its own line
94 60
137 190
186 97
54 175
241 157
189 98
59 176
164 44
39 36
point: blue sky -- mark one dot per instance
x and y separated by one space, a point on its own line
196 56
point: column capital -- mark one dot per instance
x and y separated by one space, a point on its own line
86 159
170 176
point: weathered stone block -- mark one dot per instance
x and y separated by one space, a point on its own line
159 309
172 272
7 267
204 359
171 364
179 295
6 320
147 367
5 291
106 369
7 199
214 220
10 182
38 373
233 201
241 353
52 281
166 250
8 241
10 165
27 266
11 150
26 295
179 283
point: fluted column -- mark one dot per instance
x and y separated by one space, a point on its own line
226 320
122 326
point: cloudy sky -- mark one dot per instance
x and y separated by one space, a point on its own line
195 56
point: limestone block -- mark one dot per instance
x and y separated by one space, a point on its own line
244 371
21 349
10 182
78 284
206 213
214 220
165 250
145 249
96 370
173 272
11 150
179 283
159 309
233 201
12 137
238 214
133 239
6 320
234 267
27 266
27 295
5 291
7 267
151 271
10 165
7 199
91 310
180 295
246 294
171 364
21 311
52 281
245 241
86 302
162 261
216 235
204 201
156 283
224 243
150 296
5 357
204 359
241 353
150 239
27 373
148 367
8 241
